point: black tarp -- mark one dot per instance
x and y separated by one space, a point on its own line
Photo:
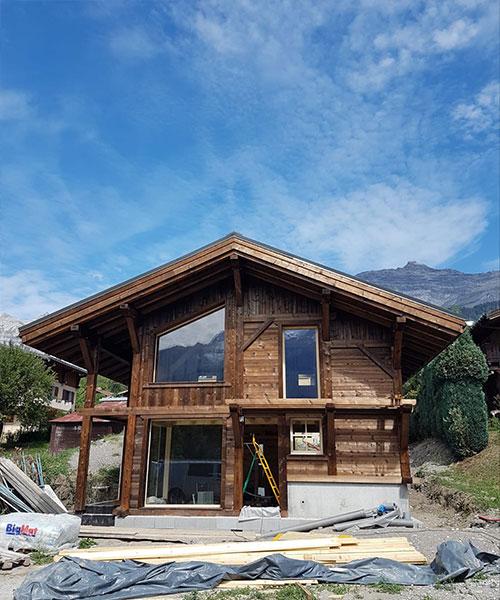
78 579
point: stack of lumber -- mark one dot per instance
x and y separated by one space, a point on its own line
189 536
323 549
9 559
19 491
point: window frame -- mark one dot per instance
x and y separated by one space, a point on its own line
315 327
182 422
305 420
174 327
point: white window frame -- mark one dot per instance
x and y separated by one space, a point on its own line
305 421
283 366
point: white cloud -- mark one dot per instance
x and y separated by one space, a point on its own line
28 295
406 41
456 35
383 226
133 43
483 113
14 105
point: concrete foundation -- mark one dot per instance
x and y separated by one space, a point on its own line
318 500
206 523
306 502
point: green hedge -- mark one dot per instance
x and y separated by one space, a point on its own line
450 398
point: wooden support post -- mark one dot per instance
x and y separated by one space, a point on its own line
85 437
236 414
128 459
238 287
397 351
330 439
238 430
134 391
404 436
325 314
283 452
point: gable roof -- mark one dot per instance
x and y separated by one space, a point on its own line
431 328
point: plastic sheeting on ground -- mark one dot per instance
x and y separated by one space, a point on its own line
77 579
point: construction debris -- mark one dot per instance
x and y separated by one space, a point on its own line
326 550
187 536
124 580
384 515
21 493
35 531
9 559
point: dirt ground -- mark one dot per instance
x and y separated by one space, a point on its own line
440 524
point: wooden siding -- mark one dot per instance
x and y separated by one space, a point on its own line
355 369
261 364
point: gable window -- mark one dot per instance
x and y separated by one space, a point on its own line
306 436
300 376
193 352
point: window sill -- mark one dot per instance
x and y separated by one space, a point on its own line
307 457
181 384
183 506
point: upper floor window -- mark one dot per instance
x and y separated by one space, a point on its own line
68 396
193 352
300 365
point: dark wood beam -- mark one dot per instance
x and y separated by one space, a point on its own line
238 288
325 314
257 334
404 437
236 420
131 315
87 348
330 439
397 353
375 360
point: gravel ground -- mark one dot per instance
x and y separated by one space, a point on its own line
440 524
106 452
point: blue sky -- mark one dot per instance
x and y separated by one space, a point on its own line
359 134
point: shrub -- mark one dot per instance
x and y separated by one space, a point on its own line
450 398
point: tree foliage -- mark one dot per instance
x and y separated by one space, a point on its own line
450 399
25 386
103 383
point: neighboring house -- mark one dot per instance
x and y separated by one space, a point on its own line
65 431
486 334
67 374
237 340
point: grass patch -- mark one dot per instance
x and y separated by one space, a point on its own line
335 588
52 464
39 557
85 543
388 588
477 475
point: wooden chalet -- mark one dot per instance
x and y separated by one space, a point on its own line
239 340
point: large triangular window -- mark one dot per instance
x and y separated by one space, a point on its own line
194 352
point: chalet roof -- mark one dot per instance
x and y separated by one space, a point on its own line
428 331
485 325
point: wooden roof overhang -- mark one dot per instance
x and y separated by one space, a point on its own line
427 331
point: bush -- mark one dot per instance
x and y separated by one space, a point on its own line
450 399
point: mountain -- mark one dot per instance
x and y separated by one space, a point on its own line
468 295
9 329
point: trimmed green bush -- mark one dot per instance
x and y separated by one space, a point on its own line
450 399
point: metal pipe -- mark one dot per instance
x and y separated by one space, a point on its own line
367 522
326 522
